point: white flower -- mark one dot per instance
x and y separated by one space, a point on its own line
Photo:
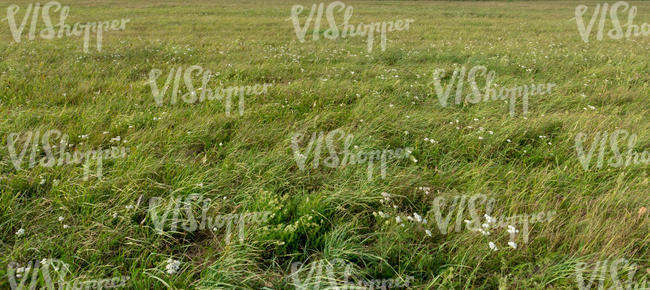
60 218
172 266
493 247
508 140
512 230
489 219
20 232
386 195
483 232
66 226
426 139
130 206
480 137
428 232
105 132
398 219
417 217
199 184
487 226
512 245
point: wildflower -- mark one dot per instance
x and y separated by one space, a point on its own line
20 232
512 230
428 232
130 206
398 219
386 195
489 219
512 245
60 218
480 137
417 217
105 132
509 141
493 247
66 226
172 266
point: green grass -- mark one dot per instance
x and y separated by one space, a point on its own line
53 84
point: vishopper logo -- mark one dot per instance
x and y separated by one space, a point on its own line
619 159
363 30
478 208
31 140
63 29
53 272
186 220
488 93
619 274
205 93
617 31
315 146
337 274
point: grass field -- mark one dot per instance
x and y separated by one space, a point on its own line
104 227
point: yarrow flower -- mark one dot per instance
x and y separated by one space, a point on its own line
172 266
490 219
512 230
